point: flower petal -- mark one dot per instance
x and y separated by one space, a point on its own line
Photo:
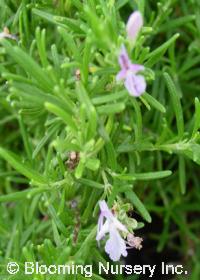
105 211
140 84
121 75
115 245
103 205
102 232
136 68
100 223
118 225
130 84
123 59
135 84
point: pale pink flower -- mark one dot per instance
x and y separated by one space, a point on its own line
134 82
115 245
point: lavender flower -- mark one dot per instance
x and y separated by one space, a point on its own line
134 83
115 245
134 24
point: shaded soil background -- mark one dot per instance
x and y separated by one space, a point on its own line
148 255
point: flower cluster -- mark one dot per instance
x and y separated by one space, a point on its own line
116 245
129 73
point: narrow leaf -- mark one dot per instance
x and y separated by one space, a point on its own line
138 205
21 167
176 104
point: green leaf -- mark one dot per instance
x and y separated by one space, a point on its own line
182 175
156 55
56 219
92 164
20 195
21 167
176 104
145 176
79 169
25 137
152 175
62 114
41 44
84 98
196 117
51 131
110 97
39 97
172 24
65 22
90 183
130 195
111 109
111 155
29 65
154 103
138 146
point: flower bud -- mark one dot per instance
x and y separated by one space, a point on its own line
134 24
